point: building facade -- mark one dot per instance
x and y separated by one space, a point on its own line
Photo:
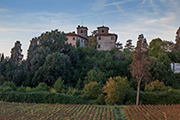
105 40
175 67
81 36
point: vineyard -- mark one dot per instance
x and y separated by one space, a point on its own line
27 111
153 112
22 111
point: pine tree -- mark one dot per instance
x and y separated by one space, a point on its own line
129 45
1 57
16 53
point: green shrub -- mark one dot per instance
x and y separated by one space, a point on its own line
92 90
5 89
42 87
166 97
28 89
40 97
52 90
21 89
9 84
73 92
156 86
59 85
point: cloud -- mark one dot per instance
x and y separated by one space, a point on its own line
115 3
3 10
143 1
101 4
98 5
151 21
19 30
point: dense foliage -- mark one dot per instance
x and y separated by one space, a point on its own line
55 66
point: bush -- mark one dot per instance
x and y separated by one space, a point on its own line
42 87
59 85
5 89
21 89
154 98
52 90
9 84
156 86
40 97
28 89
92 90
73 92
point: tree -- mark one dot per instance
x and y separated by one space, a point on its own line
155 86
115 89
1 57
94 32
140 66
129 45
95 75
105 64
169 46
56 65
156 46
16 53
177 45
92 90
44 45
7 69
92 42
161 69
118 45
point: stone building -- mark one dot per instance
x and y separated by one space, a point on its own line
81 36
105 40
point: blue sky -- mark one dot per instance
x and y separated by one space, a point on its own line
25 19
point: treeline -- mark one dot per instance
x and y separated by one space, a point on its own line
101 76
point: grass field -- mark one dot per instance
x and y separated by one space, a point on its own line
32 111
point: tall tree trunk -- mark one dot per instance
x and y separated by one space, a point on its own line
138 88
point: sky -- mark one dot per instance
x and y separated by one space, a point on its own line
25 19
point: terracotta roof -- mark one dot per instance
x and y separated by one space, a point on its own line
74 34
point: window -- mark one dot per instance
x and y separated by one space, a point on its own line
81 31
67 38
82 40
112 38
102 31
99 38
73 38
99 46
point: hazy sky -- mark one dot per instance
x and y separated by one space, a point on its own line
25 19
